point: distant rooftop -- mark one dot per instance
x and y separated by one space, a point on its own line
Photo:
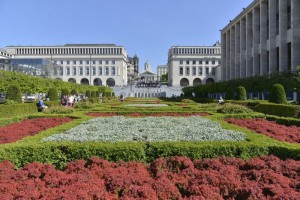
68 45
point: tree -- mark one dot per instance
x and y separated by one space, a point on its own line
88 93
53 94
13 93
65 92
277 94
241 93
93 94
164 77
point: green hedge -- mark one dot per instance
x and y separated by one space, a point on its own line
278 109
18 109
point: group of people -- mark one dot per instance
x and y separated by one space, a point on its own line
70 100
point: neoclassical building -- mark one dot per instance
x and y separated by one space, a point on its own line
263 39
161 70
94 64
193 65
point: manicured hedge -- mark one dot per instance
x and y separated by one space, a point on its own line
278 109
18 109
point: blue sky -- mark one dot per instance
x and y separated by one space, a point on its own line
147 28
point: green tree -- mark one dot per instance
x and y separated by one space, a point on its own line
241 93
277 94
53 94
74 92
164 77
93 94
88 93
13 93
65 92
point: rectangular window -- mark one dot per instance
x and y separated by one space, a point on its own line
68 62
113 62
289 52
100 62
187 62
206 62
113 71
194 71
206 70
61 71
213 71
106 62
61 62
200 62
187 71
74 71
194 62
180 71
94 71
80 71
80 62
107 71
213 62
87 62
93 62
87 71
200 72
74 62
181 62
277 17
100 71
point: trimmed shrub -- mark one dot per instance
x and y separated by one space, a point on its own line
97 94
229 108
277 94
17 109
53 94
241 93
13 93
59 110
278 110
84 105
74 92
93 94
65 92
88 93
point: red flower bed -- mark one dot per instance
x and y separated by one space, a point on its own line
172 178
135 114
17 131
269 128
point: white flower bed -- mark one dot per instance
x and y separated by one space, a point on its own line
121 129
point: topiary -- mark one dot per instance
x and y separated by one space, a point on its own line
74 92
241 93
93 94
65 92
88 93
53 94
13 93
277 94
97 94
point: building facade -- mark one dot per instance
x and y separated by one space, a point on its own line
161 70
263 39
148 76
193 65
133 68
94 64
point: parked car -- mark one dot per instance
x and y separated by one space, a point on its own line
29 97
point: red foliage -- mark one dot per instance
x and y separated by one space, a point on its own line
269 128
167 178
135 114
17 131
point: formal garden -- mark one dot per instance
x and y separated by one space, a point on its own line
167 148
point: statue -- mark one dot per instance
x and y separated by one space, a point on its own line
147 66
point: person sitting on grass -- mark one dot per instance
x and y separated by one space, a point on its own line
41 104
221 100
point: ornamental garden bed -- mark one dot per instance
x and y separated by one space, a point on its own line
148 129
166 178
136 114
270 128
28 127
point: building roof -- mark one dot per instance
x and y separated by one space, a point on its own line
147 73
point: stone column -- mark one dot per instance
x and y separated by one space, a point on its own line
263 38
249 45
223 63
283 53
237 50
243 48
256 40
232 52
272 37
227 55
295 34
